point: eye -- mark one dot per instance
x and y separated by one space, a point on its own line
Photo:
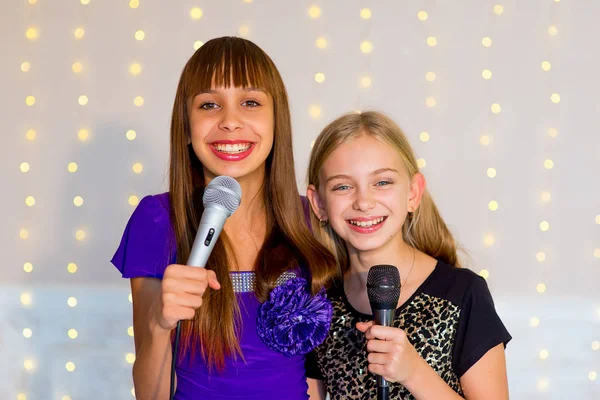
250 103
209 106
383 183
340 187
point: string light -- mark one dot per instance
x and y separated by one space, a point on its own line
321 42
130 358
138 101
493 205
134 4
544 226
546 66
139 35
431 41
597 219
23 233
422 15
430 102
70 366
365 13
546 197
430 77
133 200
543 384
77 67
553 132
597 253
80 235
130 331
83 100
496 109
555 98
72 268
544 354
314 111
78 201
486 74
27 333
484 273
198 44
79 33
548 164
244 31
592 375
489 239
491 172
319 77
314 12
552 31
130 135
196 13
72 302
541 288
421 163
534 322
30 135
498 9
30 201
424 136
32 33
28 267
366 47
28 365
486 42
365 81
25 66
26 299
72 167
484 140
30 100
540 256
72 333
130 298
24 167
85 2
135 69
22 396
595 345
137 168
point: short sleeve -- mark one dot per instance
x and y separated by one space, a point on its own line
312 367
147 246
479 329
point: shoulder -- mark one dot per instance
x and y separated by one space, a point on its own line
454 283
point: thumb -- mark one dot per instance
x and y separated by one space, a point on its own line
212 280
363 326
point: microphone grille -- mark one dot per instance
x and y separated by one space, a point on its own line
223 191
383 284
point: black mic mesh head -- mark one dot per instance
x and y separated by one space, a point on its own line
223 191
383 284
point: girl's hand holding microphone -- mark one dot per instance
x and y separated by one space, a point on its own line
391 355
182 290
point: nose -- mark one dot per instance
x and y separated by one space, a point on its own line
230 120
363 200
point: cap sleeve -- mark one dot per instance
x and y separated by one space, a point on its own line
479 329
147 246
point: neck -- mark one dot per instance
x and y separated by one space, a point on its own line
396 253
251 213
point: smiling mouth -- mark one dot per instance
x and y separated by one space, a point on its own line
231 148
367 223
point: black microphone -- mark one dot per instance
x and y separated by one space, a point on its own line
221 198
383 289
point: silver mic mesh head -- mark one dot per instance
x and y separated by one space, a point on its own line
383 284
223 191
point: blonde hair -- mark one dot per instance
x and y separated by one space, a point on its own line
424 229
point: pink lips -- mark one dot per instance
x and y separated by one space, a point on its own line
231 157
366 229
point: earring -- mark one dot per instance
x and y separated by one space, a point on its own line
323 222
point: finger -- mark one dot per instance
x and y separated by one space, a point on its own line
386 333
177 313
384 346
381 370
378 358
185 271
182 300
212 280
363 326
184 285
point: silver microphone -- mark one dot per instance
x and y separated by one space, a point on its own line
221 198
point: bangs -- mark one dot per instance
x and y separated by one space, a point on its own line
233 62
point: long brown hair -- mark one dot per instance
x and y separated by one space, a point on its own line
424 229
231 61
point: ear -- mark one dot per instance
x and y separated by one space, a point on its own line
417 188
316 203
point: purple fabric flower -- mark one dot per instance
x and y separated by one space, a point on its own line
293 321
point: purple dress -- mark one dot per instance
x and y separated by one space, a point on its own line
147 247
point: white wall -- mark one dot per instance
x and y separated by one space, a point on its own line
456 161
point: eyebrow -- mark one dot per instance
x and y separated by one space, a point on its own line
246 89
376 172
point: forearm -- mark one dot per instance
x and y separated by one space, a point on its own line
426 384
152 367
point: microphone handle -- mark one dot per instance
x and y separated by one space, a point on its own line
209 229
384 317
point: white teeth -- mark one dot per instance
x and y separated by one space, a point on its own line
368 223
232 148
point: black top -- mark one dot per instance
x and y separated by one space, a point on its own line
450 320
